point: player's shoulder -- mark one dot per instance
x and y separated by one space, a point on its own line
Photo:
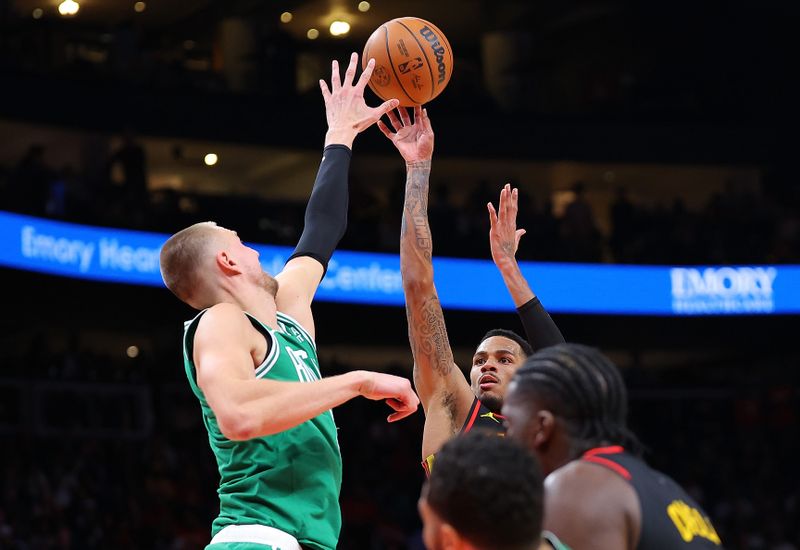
224 310
587 483
223 316
586 501
577 474
295 328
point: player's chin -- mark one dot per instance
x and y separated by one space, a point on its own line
492 398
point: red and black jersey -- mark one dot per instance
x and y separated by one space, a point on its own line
479 418
670 517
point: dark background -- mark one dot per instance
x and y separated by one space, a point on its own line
103 450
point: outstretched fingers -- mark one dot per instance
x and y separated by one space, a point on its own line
418 115
492 215
336 82
518 236
363 80
394 121
503 207
426 122
386 107
513 207
385 129
326 93
404 116
350 73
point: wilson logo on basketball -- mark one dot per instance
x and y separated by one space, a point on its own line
438 50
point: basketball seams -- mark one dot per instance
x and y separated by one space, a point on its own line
427 61
391 64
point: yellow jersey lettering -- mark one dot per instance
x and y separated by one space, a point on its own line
691 523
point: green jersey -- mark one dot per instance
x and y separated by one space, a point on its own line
289 480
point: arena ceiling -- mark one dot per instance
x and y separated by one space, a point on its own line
463 18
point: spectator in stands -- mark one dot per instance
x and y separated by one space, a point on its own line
130 161
30 181
579 230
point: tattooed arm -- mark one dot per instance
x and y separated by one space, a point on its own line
443 390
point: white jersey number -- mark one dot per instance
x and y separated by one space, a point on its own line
304 372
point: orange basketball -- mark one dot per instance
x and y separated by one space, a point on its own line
413 61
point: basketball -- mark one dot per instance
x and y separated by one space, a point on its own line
413 61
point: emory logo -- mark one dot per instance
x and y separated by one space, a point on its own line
723 289
438 50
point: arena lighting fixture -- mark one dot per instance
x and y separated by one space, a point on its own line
132 352
211 159
68 7
37 13
286 17
139 7
364 6
312 34
340 28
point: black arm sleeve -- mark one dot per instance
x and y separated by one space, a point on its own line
540 329
326 212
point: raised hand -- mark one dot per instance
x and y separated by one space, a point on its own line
396 391
414 140
503 233
346 111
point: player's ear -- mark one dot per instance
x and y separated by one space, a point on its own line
544 424
226 263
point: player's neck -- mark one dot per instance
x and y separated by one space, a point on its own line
558 454
260 304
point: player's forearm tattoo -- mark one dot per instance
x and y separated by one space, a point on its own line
415 210
426 329
428 335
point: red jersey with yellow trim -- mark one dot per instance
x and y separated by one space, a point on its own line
671 519
479 418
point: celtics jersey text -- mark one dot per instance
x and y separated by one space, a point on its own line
290 480
671 519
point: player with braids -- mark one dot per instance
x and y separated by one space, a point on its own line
569 405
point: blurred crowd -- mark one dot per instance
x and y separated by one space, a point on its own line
735 225
729 440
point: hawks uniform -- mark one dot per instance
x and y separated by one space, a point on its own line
671 519
479 418
285 483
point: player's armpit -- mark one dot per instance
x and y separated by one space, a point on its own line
443 421
591 508
297 284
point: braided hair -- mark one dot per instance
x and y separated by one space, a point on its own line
585 389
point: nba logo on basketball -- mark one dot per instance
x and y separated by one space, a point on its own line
409 66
